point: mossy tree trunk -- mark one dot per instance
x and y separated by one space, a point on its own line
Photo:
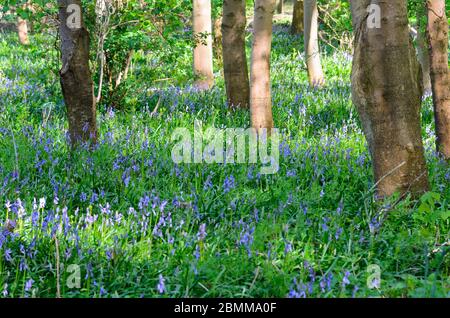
387 92
75 75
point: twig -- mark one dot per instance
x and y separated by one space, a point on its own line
156 107
387 174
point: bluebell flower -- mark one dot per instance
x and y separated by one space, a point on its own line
103 291
197 252
324 224
355 290
161 287
246 237
291 173
228 184
287 247
5 290
298 290
338 233
208 183
322 193
23 266
42 202
8 255
345 280
256 214
94 197
340 208
20 209
29 284
83 197
201 232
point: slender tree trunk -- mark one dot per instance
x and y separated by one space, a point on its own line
280 6
234 59
437 33
75 75
297 18
424 60
387 92
203 54
22 29
422 50
218 38
260 96
312 52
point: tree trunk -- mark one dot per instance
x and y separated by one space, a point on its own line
297 18
217 43
24 25
234 59
312 52
280 6
75 75
203 54
437 33
387 92
260 96
422 51
22 29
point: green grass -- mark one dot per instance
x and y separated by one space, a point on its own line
297 232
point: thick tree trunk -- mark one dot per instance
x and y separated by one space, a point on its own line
260 96
234 58
312 52
437 33
387 92
280 6
75 75
297 17
203 53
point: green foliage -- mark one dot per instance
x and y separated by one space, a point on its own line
335 22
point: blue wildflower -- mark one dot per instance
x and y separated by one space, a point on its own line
161 287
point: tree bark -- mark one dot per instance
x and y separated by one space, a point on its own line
22 29
387 92
280 6
422 51
75 75
218 38
437 34
22 26
203 53
312 52
260 95
234 57
297 18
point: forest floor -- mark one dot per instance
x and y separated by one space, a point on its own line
132 223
